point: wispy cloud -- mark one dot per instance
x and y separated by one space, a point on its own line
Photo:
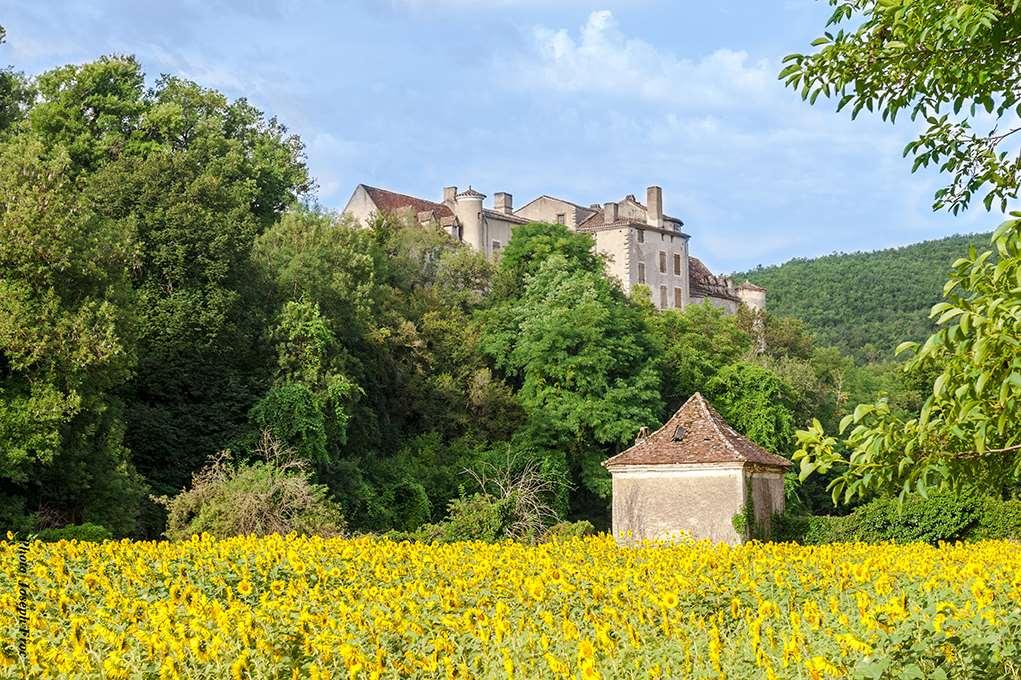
600 59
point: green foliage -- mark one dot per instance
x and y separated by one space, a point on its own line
998 520
942 516
478 517
534 244
951 65
308 408
93 533
939 517
743 520
65 340
968 430
271 495
577 351
693 345
756 402
563 531
864 303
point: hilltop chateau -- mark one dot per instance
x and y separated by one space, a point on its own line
642 245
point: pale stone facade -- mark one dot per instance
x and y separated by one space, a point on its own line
691 478
642 245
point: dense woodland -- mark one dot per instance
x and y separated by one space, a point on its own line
168 292
865 303
176 311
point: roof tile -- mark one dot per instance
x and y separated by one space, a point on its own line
391 201
705 437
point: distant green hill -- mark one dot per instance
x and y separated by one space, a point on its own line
865 303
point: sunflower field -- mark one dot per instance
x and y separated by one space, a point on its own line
296 607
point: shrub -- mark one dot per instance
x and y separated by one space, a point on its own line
273 495
510 504
562 531
93 533
479 517
998 519
942 516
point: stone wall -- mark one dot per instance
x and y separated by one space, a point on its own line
648 252
766 493
495 231
546 209
665 502
360 206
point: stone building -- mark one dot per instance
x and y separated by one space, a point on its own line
642 244
691 477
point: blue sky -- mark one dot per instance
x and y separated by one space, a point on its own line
587 101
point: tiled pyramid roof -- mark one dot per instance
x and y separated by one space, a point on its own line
696 434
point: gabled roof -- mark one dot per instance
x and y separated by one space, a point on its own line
695 434
597 221
584 209
391 201
703 283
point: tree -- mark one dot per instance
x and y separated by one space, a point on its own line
578 352
693 345
968 431
936 60
757 403
15 94
308 408
953 64
66 332
532 245
201 178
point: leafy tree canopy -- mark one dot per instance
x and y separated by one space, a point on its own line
950 64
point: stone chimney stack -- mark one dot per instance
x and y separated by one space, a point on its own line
503 202
449 194
654 203
609 212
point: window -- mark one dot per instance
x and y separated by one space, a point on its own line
677 264
678 298
662 297
560 218
641 236
662 262
496 249
641 272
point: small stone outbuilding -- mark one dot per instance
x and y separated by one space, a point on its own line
691 477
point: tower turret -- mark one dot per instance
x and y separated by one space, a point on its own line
754 297
468 208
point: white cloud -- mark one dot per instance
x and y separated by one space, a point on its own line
601 59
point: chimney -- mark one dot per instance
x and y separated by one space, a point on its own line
609 212
449 194
503 202
654 204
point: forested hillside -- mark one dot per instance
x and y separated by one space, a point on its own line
865 303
